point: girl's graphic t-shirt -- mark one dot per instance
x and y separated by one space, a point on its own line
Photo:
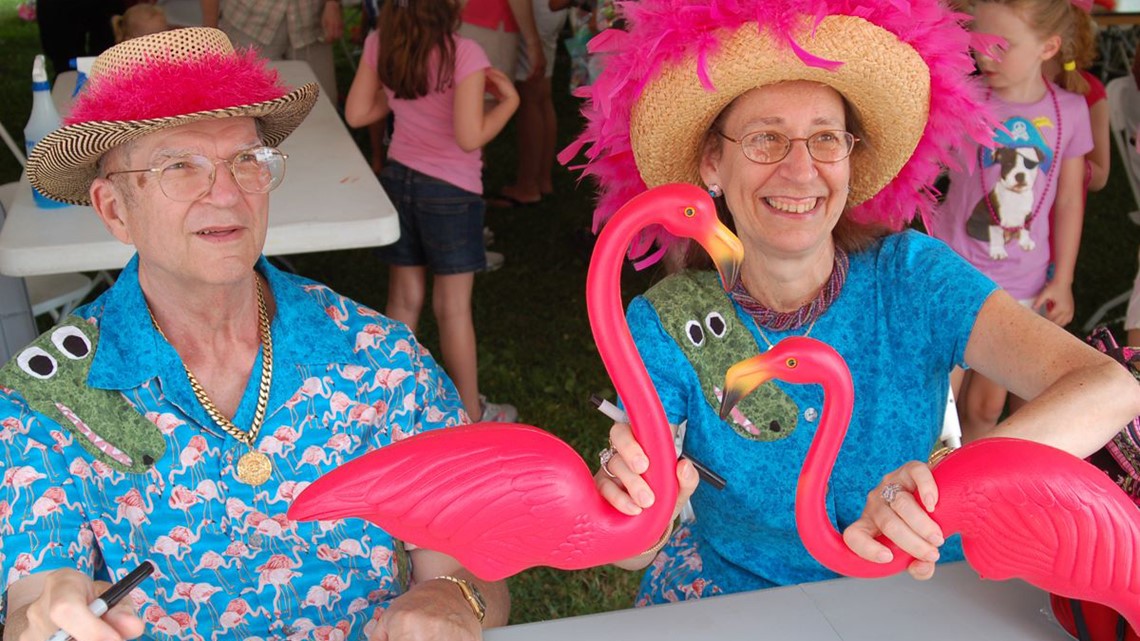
997 208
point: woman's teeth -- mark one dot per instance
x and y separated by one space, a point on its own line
792 206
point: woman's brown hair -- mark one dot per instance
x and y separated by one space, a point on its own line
410 31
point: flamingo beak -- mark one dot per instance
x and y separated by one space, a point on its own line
742 379
727 253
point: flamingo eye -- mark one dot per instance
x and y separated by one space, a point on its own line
791 363
715 322
690 212
71 342
36 362
695 332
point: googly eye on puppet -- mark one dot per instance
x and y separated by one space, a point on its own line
702 322
71 342
50 375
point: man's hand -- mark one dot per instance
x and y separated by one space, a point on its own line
63 603
432 610
332 21
536 58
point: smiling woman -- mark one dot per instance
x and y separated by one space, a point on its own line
817 221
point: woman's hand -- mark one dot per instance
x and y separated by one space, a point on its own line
624 488
902 519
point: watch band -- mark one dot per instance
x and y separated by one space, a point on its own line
470 593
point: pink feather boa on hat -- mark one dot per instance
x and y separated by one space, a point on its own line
666 31
161 88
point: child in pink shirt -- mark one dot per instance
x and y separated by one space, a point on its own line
434 81
997 209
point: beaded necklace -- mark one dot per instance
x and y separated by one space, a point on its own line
805 315
986 196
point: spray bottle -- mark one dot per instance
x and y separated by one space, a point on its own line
83 66
44 120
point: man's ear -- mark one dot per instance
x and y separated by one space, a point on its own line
111 205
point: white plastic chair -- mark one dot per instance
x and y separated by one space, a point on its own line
1123 121
54 294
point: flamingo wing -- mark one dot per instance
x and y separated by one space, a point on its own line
1046 517
495 496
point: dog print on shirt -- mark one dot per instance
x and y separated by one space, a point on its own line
1007 209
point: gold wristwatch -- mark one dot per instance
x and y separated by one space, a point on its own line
471 594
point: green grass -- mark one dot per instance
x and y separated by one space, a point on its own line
535 346
20 42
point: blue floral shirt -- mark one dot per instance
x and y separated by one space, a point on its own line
229 563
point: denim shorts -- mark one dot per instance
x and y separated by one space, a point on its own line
441 225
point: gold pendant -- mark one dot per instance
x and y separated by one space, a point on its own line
254 468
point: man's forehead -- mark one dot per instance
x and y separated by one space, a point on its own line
220 134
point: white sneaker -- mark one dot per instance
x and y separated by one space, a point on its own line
495 260
497 412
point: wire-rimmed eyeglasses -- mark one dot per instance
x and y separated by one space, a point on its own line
768 147
187 178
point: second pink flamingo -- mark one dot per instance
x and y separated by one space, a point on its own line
1025 510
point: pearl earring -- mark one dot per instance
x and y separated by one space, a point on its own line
715 191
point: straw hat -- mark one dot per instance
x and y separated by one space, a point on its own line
902 65
157 82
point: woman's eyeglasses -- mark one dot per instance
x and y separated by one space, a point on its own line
188 178
768 147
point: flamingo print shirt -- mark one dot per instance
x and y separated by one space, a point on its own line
101 496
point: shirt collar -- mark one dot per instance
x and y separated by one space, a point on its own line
131 352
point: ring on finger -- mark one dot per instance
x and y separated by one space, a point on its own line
890 492
604 457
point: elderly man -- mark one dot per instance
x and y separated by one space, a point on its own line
173 419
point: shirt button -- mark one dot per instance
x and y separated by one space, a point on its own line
810 414
255 539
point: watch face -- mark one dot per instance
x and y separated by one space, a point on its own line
476 599
478 596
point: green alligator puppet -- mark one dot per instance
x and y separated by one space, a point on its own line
51 375
702 321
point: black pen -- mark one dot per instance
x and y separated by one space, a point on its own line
113 595
618 416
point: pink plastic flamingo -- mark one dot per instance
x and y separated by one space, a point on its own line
505 497
1024 510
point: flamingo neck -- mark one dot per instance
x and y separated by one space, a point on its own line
819 535
624 365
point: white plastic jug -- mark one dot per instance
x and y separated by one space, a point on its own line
44 120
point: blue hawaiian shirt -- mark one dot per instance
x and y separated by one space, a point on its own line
229 563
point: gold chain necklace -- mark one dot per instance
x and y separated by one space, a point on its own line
254 467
